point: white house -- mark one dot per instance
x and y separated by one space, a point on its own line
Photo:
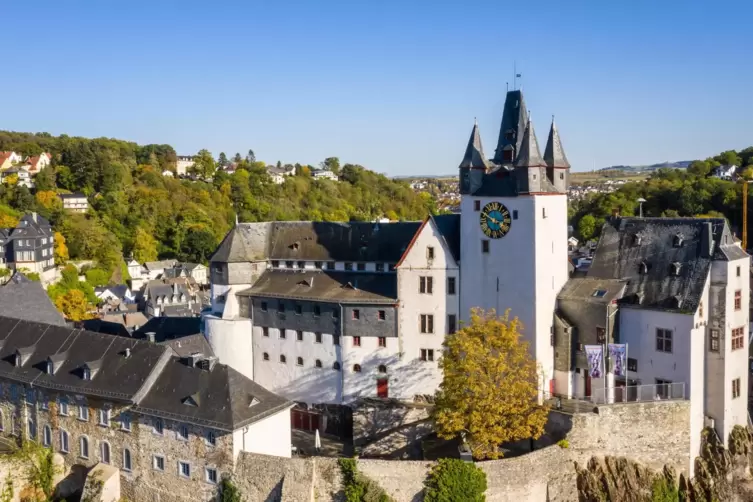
23 177
36 163
183 164
278 174
74 202
8 159
115 293
324 174
725 172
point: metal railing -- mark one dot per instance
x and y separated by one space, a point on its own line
628 394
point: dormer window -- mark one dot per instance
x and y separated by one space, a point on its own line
675 268
87 374
677 241
18 360
507 154
643 268
50 368
509 134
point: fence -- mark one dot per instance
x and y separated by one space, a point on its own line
616 395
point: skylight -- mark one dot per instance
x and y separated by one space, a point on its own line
599 293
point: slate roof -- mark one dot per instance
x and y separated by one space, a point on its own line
326 286
119 290
307 240
169 328
529 154
160 289
645 252
554 153
148 376
474 157
153 266
21 298
225 399
106 327
592 290
187 345
32 225
449 229
514 117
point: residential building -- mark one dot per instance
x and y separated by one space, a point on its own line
183 165
324 174
20 174
36 163
75 202
725 172
164 299
28 246
278 174
161 419
8 159
120 293
156 269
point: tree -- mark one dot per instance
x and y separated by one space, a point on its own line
144 246
251 157
237 158
203 165
222 161
489 393
199 245
454 480
331 163
45 179
73 305
61 250
228 491
700 168
48 200
587 227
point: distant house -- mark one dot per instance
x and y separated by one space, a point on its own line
27 300
156 269
572 243
725 172
7 159
75 202
38 162
120 292
29 245
278 174
195 271
324 174
168 173
163 299
183 164
23 176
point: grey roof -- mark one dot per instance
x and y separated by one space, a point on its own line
76 195
119 290
554 154
21 298
529 154
133 371
326 286
153 266
449 229
514 119
158 288
191 344
169 328
180 310
106 327
474 157
307 240
31 225
592 290
221 398
646 252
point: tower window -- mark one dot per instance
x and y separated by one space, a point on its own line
543 210
509 134
514 214
562 176
477 205
484 246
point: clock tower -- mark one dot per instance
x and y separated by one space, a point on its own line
514 230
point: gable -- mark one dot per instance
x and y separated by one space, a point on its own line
418 255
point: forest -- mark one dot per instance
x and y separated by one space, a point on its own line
135 210
690 192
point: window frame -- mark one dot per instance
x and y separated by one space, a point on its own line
451 286
83 412
426 324
485 247
127 465
64 445
662 339
182 463
736 390
156 461
426 355
207 477
356 341
182 433
382 341
738 338
738 300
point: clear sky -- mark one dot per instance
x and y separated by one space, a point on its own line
392 85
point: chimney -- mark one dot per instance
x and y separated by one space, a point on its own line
151 336
34 216
194 359
207 364
707 240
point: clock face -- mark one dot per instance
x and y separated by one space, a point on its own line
495 220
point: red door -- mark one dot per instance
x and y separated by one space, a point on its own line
382 388
551 387
588 385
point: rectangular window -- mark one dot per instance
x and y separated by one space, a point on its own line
700 309
543 212
429 253
265 331
348 265
318 264
514 214
63 407
663 388
318 337
714 340
301 264
211 475
427 354
289 264
335 339
356 341
104 417
477 205
184 469
381 315
283 334
601 335
317 310
451 324
356 314
738 300
336 313
125 422
738 270
330 265
484 246
450 285
299 335
735 388
298 309
83 413
360 267
663 340
281 307
158 463
382 341
632 364
562 176
263 306
738 338
427 323
426 285
380 267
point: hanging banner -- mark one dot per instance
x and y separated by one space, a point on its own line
595 355
618 354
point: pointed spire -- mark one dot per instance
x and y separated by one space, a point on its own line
554 154
529 154
514 118
474 153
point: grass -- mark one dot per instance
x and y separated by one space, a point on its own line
595 176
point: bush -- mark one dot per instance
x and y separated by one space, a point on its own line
357 487
563 443
453 480
228 491
663 491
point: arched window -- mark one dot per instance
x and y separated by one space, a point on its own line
318 363
63 441
336 366
47 439
126 459
265 356
283 359
299 361
83 447
356 368
31 428
104 452
2 421
382 368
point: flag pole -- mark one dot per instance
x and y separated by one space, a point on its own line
626 372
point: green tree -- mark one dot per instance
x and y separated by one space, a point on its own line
454 480
199 245
332 163
489 391
222 161
203 165
144 246
250 157
587 227
237 158
45 180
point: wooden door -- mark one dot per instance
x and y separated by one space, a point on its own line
588 384
382 388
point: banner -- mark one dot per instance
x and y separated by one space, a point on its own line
595 355
618 352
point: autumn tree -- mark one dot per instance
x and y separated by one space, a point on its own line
73 305
61 250
48 200
203 165
489 393
144 246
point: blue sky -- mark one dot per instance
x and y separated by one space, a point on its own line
392 85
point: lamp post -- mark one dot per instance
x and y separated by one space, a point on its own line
640 206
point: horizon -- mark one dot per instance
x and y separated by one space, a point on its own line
394 88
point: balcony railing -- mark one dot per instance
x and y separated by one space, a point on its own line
630 394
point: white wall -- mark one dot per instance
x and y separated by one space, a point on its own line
231 342
270 436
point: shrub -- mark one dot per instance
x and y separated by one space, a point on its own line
453 480
663 491
563 443
228 491
357 487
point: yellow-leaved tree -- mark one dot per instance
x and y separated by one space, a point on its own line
489 393
73 305
61 250
48 199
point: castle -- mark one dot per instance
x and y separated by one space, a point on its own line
326 313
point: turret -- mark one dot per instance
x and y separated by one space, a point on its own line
557 165
511 130
474 165
530 170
